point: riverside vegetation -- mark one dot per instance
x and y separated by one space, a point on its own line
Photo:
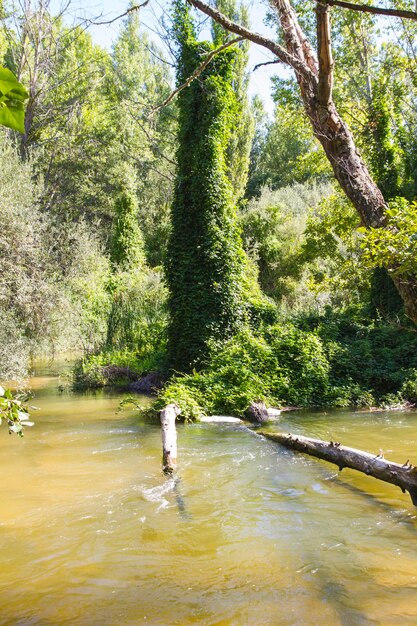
202 240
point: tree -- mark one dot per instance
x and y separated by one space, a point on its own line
241 136
205 267
314 74
140 82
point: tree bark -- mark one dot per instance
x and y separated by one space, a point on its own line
169 438
404 476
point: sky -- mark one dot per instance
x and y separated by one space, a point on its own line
105 35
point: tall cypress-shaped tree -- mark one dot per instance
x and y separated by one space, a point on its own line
205 267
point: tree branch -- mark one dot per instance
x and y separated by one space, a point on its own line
408 15
289 59
256 67
324 47
197 72
119 17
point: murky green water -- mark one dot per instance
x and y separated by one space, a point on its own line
91 532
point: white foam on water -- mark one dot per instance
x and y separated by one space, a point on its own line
155 494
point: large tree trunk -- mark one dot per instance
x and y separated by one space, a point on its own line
354 178
404 476
407 288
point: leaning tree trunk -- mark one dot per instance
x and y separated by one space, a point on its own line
356 181
404 476
315 79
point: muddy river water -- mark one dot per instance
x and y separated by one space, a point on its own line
92 533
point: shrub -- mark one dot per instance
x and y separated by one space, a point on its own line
409 387
284 365
334 359
368 359
273 231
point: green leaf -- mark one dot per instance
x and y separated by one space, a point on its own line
10 85
12 115
12 94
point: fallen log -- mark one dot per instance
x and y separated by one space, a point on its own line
404 476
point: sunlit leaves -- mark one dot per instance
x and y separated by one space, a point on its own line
14 411
12 96
395 246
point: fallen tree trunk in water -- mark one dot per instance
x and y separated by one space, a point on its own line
404 476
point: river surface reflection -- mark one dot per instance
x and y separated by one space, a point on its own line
92 533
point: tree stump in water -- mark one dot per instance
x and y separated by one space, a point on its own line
168 416
404 476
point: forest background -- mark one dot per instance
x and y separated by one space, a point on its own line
85 217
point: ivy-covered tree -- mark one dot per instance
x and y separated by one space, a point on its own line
241 136
205 267
126 251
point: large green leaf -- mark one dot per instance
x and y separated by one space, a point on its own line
12 94
12 115
9 85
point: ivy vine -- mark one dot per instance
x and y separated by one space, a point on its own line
206 261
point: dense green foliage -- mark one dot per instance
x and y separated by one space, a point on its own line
205 266
395 246
274 235
64 213
281 365
318 360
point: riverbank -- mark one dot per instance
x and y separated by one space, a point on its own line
329 361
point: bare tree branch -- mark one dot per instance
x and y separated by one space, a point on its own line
408 15
289 59
325 55
136 7
256 67
197 72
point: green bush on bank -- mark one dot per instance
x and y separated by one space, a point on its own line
281 365
370 361
337 360
118 368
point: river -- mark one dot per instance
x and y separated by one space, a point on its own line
92 533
